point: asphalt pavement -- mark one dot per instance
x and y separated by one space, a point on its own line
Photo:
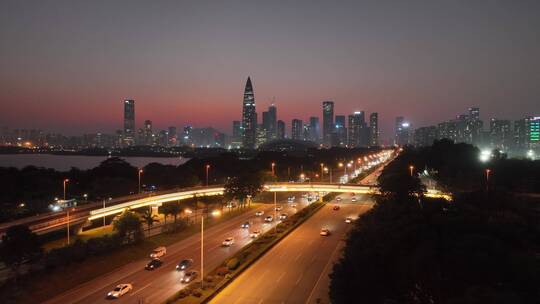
157 285
296 269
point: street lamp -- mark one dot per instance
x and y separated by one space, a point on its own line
65 182
68 224
322 172
214 213
328 170
411 168
273 170
140 172
207 168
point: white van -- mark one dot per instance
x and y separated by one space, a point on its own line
158 252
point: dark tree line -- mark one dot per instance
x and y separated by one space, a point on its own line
480 248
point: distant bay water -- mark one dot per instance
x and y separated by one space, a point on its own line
83 162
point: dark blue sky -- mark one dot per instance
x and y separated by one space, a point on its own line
67 65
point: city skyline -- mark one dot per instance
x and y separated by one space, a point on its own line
183 74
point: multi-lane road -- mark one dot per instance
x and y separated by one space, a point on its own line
157 285
296 269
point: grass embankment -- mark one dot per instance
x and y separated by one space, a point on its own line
232 267
46 283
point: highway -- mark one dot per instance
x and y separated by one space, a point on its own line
157 285
296 269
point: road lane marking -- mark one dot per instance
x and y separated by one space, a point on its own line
300 278
280 277
136 292
298 256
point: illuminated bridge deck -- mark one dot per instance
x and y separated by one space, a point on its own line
157 200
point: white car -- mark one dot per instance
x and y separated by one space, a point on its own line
278 208
269 218
338 199
189 276
228 242
255 234
283 216
353 199
290 199
120 290
348 220
325 232
259 213
158 252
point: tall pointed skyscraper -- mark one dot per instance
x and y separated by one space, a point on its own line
249 117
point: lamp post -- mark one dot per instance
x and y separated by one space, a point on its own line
275 211
65 182
322 172
215 213
411 168
140 172
329 170
68 226
273 169
207 169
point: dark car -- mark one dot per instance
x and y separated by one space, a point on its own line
245 225
153 264
184 264
336 207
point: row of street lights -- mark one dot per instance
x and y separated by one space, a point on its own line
328 169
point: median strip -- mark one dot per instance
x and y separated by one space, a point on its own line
231 268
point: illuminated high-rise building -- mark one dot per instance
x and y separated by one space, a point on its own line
129 123
297 129
249 117
374 129
328 122
280 129
314 129
340 132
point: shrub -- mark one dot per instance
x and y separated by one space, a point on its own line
197 293
233 263
222 271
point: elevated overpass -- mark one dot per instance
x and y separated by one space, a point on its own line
158 200
58 220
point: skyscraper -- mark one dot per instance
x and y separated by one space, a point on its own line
236 140
328 122
129 122
355 126
172 137
297 129
374 129
533 124
314 129
271 128
402 129
340 131
280 129
147 133
249 117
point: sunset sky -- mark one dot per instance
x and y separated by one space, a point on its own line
66 66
